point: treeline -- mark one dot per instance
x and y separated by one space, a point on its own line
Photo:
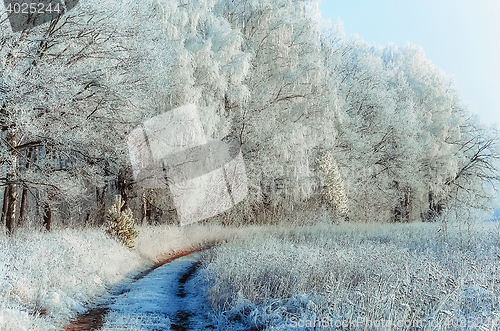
265 74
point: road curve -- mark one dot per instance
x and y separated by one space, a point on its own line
164 297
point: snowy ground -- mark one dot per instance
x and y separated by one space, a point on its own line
47 279
263 278
169 298
417 276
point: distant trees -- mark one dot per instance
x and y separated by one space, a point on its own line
405 136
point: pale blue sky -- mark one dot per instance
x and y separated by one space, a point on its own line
462 37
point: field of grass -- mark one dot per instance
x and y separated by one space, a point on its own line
347 276
418 276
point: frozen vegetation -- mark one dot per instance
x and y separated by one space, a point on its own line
376 135
359 274
47 278
269 277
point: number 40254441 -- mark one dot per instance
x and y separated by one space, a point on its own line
32 8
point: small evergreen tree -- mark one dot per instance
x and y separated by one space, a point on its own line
334 185
120 223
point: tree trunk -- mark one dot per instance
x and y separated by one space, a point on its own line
24 195
402 212
406 206
124 182
144 208
24 206
101 203
149 214
12 196
47 212
47 216
10 216
5 204
435 209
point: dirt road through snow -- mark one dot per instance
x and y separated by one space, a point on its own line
165 297
168 298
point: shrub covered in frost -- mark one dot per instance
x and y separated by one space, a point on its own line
334 185
120 223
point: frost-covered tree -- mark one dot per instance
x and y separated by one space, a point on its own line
255 71
374 142
208 65
70 91
403 133
264 74
477 176
120 223
334 185
206 68
284 117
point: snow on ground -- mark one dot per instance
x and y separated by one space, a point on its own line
271 278
46 279
169 298
49 277
438 275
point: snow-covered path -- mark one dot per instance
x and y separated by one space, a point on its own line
168 298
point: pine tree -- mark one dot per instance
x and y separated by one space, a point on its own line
120 223
334 185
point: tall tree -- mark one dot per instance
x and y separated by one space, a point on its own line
403 136
284 118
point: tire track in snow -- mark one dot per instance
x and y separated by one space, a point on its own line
184 317
181 321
